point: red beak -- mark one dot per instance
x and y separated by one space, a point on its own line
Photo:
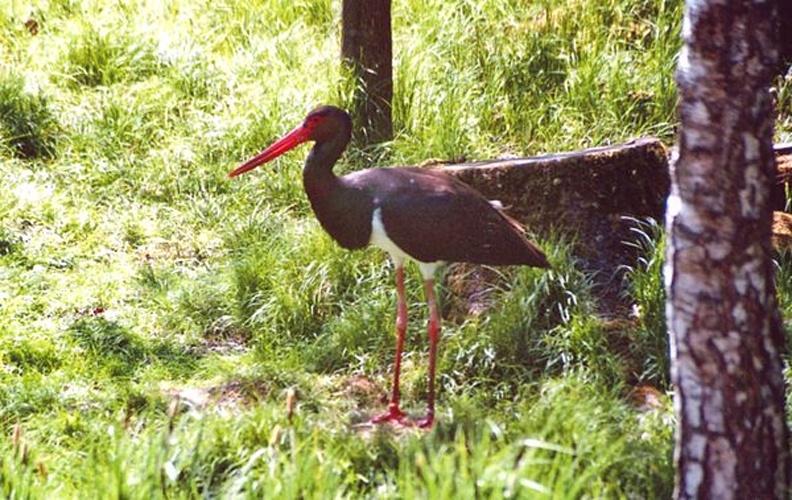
286 143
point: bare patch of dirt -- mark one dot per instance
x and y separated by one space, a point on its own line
470 290
228 397
365 393
647 398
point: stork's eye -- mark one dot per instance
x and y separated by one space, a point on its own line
312 122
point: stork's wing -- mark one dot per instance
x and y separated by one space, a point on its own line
436 217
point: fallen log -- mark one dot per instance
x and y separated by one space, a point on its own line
566 191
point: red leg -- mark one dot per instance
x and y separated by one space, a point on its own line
394 413
433 330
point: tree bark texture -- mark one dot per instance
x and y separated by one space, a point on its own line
785 35
727 335
366 48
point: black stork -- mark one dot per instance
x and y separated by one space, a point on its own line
411 213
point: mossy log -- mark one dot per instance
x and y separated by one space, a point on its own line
567 191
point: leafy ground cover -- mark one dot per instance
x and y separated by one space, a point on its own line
166 332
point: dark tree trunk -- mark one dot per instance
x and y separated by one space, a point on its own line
727 336
785 34
366 48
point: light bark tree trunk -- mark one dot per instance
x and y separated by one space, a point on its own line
727 335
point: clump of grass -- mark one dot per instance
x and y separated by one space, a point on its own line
647 290
783 280
22 356
196 77
21 474
28 125
128 124
288 301
573 79
601 435
782 90
101 56
533 330
108 343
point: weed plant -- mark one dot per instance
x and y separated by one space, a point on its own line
158 320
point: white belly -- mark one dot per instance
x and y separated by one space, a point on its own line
380 239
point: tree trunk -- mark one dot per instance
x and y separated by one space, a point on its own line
366 48
784 35
727 336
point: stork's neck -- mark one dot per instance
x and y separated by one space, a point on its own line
318 174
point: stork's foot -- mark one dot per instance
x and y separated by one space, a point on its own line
425 422
393 415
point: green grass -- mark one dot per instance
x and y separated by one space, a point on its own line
28 127
571 440
132 270
646 289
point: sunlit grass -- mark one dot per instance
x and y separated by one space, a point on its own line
132 269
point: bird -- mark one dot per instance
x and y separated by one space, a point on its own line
413 214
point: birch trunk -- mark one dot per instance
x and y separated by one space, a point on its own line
727 335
